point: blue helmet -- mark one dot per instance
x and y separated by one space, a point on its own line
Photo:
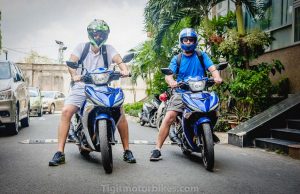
188 32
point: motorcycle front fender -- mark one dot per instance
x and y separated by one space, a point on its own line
199 122
110 119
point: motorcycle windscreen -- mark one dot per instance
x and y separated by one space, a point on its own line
202 101
105 96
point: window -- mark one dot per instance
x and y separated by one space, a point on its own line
4 70
275 14
297 21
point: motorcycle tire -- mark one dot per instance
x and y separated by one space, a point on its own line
208 156
153 118
159 121
142 123
105 147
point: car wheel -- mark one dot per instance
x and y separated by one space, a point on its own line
14 127
25 121
40 113
52 109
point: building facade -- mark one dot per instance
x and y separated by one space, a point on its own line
281 19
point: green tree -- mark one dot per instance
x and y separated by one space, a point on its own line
254 7
34 57
161 15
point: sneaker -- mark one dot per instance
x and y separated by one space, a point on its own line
156 155
128 157
58 158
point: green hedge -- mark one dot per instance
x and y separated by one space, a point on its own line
133 109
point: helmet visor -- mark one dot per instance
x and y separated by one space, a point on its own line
190 39
98 36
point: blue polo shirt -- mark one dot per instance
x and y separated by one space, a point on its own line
190 66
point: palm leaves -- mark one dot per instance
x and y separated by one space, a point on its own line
161 15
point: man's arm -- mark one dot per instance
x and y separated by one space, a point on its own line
73 72
215 73
123 67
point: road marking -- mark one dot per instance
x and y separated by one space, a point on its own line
52 141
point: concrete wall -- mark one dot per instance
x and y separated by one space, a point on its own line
290 58
57 77
47 76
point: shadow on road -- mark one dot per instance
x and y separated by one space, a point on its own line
6 132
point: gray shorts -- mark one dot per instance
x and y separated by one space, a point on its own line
175 103
76 95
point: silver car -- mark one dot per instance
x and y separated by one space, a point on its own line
14 97
52 100
36 106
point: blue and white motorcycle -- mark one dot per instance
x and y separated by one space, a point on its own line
95 122
193 129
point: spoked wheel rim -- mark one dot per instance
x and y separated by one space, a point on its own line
153 120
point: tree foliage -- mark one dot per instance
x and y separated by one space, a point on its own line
160 16
34 57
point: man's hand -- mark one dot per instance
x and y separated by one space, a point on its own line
218 80
173 83
76 78
124 73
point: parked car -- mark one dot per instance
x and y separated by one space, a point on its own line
52 100
14 97
36 105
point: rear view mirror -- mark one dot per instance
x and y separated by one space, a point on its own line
222 65
72 65
166 71
127 58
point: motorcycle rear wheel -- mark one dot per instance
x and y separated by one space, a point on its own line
105 146
208 156
153 120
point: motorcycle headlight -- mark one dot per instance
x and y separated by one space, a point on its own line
197 86
6 95
100 78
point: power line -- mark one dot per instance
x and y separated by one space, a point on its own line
26 53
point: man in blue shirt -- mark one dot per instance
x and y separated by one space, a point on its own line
189 67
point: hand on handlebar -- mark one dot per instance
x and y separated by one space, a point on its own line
125 73
173 84
218 80
77 78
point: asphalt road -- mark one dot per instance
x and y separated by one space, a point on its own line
24 167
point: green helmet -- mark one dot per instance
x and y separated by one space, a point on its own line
98 31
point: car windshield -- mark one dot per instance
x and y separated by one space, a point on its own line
4 70
33 93
47 94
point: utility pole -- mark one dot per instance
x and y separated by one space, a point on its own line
6 52
61 50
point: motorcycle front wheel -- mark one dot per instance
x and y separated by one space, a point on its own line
208 156
105 146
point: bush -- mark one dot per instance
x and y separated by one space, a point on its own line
133 109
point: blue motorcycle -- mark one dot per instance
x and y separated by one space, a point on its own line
193 129
95 123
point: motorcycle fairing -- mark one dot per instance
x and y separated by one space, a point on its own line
105 96
201 101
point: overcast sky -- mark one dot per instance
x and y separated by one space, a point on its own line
36 24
